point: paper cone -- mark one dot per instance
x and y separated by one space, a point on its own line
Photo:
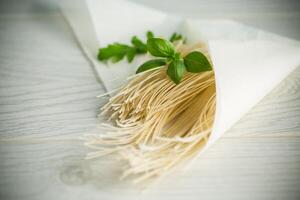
248 62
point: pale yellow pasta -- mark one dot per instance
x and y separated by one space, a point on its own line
155 124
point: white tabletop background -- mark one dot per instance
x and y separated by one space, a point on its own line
48 89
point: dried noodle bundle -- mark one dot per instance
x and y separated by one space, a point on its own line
157 124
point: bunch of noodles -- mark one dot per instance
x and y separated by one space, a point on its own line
156 124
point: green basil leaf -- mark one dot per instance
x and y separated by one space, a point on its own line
176 56
150 35
114 51
140 46
160 47
175 37
151 64
131 54
176 70
196 62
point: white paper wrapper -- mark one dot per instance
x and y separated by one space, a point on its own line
248 62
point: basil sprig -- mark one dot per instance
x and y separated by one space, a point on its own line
117 51
194 62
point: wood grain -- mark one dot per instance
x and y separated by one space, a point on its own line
48 89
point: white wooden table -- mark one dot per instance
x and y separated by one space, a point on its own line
48 89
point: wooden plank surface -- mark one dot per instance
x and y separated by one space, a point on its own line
48 89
